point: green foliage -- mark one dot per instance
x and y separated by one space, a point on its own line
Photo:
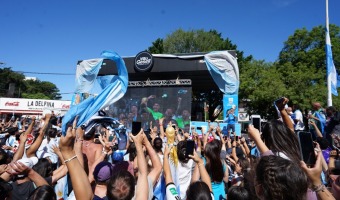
260 85
303 68
7 76
157 47
34 89
34 96
45 88
299 73
308 47
193 41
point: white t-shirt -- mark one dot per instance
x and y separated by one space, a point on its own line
299 126
184 176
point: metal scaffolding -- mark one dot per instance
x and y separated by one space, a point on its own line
153 83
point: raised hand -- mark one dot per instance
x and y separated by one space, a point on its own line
138 139
167 150
15 168
196 158
253 132
67 142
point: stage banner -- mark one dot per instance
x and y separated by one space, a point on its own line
230 101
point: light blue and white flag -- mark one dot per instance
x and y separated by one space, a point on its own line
114 87
331 71
223 68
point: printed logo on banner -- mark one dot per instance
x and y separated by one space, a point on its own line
65 106
143 61
16 103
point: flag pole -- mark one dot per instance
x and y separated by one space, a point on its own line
329 89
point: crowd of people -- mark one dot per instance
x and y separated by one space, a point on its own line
149 110
37 161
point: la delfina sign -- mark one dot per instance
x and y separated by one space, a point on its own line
15 104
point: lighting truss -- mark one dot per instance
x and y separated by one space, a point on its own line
154 83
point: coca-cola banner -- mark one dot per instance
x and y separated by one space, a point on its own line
19 105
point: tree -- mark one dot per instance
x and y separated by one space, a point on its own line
34 89
260 85
7 77
41 89
193 41
302 65
308 47
157 47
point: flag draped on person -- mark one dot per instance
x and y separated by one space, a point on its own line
114 87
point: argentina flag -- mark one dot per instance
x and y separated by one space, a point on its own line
113 88
223 68
331 71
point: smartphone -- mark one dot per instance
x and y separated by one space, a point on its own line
199 128
307 148
189 148
136 127
236 138
256 122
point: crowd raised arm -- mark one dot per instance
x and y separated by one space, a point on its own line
155 163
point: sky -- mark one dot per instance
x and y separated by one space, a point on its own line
48 36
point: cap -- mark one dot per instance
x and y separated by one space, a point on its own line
29 162
103 171
117 156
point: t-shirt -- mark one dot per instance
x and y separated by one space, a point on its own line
155 115
299 126
22 191
184 176
218 188
181 123
99 198
230 119
122 140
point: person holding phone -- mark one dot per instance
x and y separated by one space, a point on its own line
313 173
279 135
185 165
202 189
216 167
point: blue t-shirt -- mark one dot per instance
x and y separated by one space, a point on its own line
122 140
230 119
217 188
